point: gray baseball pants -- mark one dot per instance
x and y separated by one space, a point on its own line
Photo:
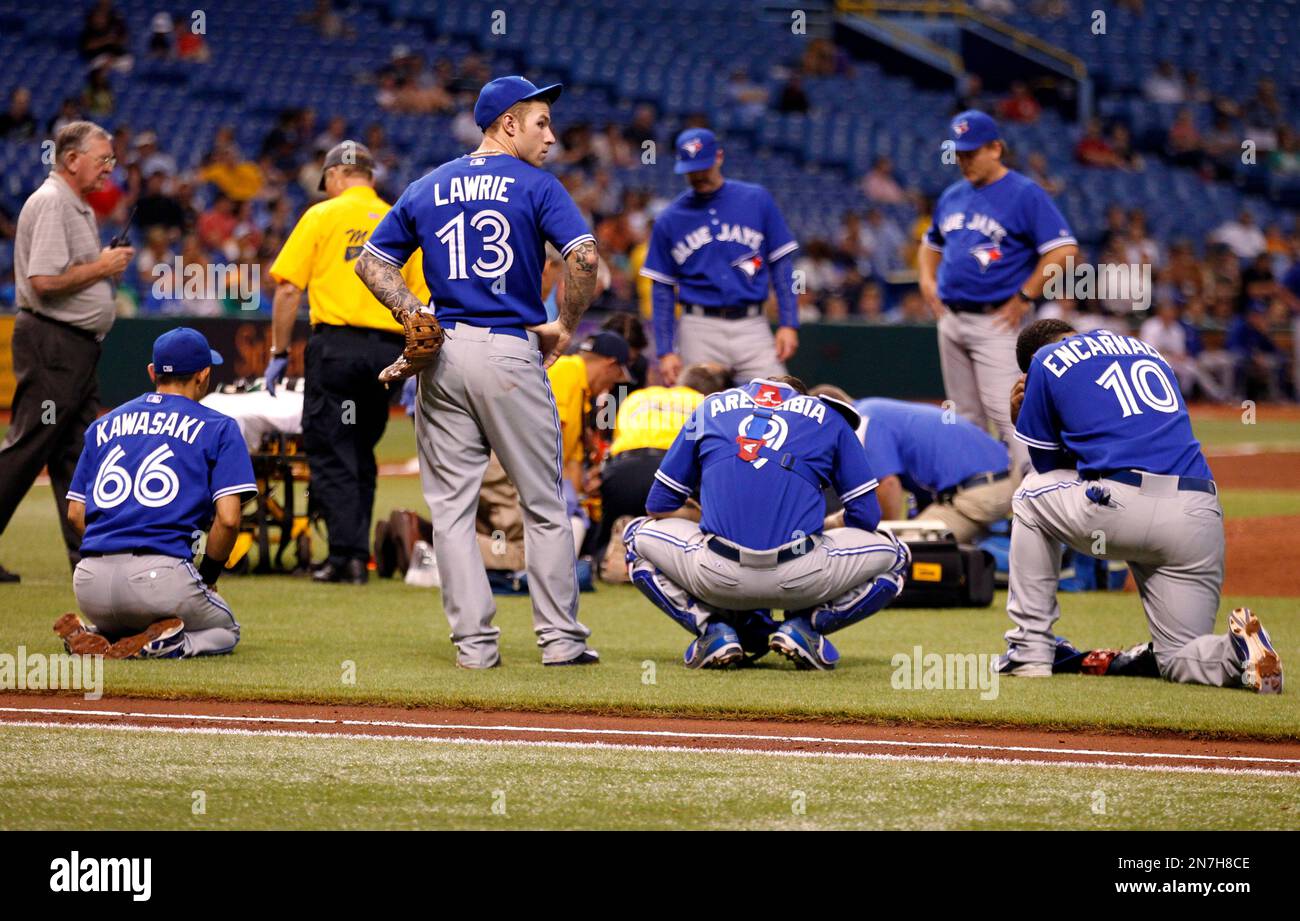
1172 541
833 574
122 594
745 347
978 361
488 392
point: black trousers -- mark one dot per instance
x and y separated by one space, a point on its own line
625 483
345 410
56 399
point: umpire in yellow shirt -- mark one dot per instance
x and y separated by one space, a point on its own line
353 338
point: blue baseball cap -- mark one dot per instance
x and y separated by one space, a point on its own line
973 129
183 351
503 92
611 345
697 148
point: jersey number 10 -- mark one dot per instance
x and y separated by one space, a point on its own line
497 232
155 484
1142 373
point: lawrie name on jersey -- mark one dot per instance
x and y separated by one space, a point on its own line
1078 349
473 188
727 233
811 407
173 425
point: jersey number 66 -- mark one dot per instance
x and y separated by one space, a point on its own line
155 485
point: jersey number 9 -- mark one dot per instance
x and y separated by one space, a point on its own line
155 484
496 230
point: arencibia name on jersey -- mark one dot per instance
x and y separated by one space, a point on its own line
1077 349
811 407
173 425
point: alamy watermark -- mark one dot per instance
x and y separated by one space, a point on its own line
57 672
195 281
1111 281
932 671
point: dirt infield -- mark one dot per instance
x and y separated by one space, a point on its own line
1263 470
1261 556
761 737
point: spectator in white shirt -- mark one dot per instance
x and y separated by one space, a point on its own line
1242 236
1164 85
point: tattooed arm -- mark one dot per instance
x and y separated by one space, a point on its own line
387 285
580 269
579 283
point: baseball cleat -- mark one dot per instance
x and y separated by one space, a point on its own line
130 647
77 638
171 647
1261 667
800 643
1004 665
586 657
717 647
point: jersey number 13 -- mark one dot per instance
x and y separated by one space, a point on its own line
496 231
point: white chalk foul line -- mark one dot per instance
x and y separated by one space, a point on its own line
646 733
628 747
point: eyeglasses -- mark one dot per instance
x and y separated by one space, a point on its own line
109 160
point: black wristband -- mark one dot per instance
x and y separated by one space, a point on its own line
1027 298
210 569
283 353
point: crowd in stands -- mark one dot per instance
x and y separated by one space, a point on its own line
1240 284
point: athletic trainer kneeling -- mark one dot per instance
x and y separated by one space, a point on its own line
155 474
760 456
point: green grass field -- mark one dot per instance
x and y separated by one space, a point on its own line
158 779
299 639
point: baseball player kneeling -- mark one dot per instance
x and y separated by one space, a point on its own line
1119 475
759 457
155 474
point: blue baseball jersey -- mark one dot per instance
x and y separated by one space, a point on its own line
717 249
150 472
991 237
925 446
483 223
760 456
1112 403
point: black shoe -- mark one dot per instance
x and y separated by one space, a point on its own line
7 576
352 572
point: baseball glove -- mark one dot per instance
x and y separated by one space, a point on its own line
423 341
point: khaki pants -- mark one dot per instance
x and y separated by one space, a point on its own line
969 512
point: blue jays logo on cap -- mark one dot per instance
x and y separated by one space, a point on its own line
183 351
697 149
973 129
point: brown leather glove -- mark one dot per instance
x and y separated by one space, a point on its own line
424 338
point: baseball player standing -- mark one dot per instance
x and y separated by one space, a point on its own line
155 474
1119 475
995 239
353 338
717 248
483 221
760 456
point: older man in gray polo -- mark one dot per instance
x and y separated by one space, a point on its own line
65 283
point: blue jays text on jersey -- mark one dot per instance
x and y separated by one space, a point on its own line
718 248
760 456
1105 402
482 223
150 472
992 236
